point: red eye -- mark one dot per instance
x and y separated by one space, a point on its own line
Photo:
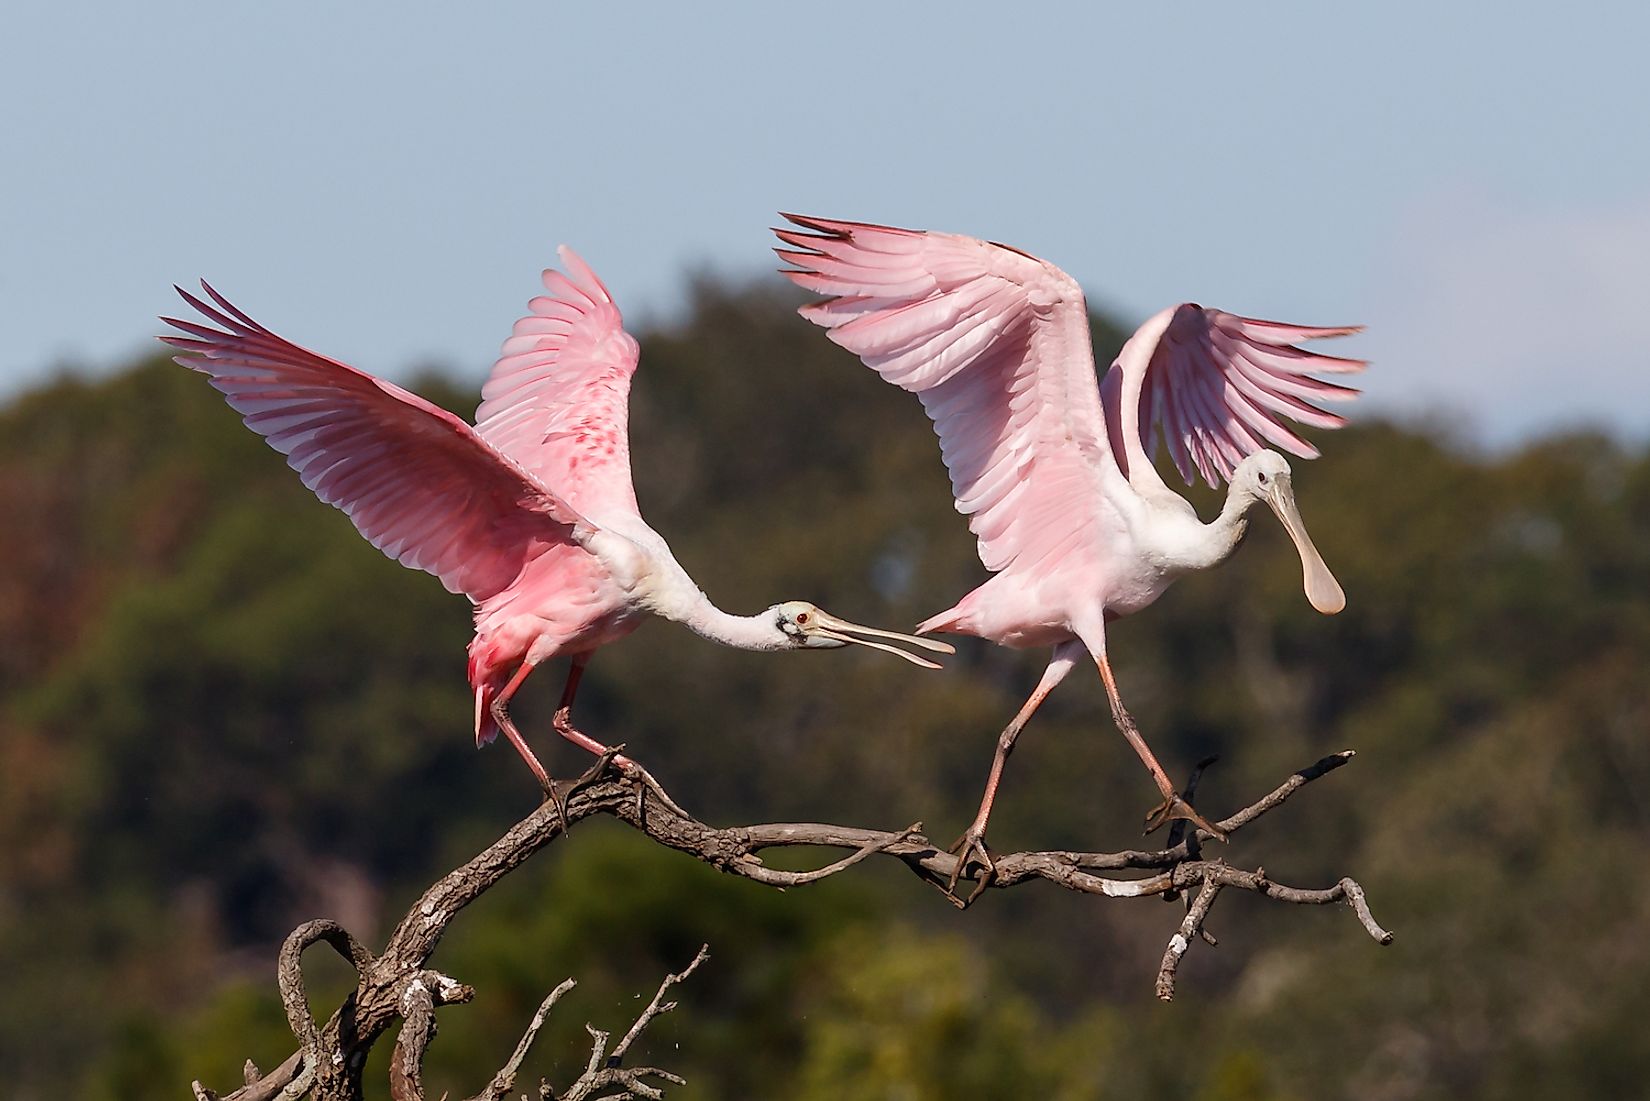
802 617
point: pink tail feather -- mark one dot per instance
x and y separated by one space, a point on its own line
486 726
488 683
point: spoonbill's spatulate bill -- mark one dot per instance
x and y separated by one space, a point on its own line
530 513
1054 473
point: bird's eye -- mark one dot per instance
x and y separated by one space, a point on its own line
1262 478
802 617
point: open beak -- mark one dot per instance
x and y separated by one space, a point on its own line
826 626
1321 587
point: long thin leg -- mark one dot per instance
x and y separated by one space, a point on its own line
970 847
563 721
1173 806
501 716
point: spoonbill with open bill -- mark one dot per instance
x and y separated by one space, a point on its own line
530 513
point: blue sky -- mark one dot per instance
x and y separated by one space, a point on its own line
383 181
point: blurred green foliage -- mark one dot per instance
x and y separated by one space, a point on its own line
222 713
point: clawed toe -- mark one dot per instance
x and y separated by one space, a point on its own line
970 851
1175 807
555 799
637 772
609 759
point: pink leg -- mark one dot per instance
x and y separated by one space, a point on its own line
1173 806
563 722
564 726
971 845
501 716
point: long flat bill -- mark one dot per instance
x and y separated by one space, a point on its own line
1324 592
842 630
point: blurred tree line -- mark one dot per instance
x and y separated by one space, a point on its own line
222 713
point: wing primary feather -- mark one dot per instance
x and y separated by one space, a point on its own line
1219 387
411 476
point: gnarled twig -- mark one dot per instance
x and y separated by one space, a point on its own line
505 1080
606 1069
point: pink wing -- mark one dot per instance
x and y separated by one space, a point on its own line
558 399
996 344
415 480
1220 387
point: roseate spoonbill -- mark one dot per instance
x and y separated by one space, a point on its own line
531 513
1055 474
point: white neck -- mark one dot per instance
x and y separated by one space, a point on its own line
667 590
1220 537
743 632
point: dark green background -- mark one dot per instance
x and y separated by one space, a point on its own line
222 713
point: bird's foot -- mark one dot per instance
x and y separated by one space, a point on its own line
557 800
638 772
608 760
970 851
611 760
1172 807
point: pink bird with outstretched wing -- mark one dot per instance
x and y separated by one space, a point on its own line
530 513
1054 473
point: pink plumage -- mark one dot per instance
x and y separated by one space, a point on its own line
559 395
1054 472
531 513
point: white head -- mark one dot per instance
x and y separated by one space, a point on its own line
808 627
1265 476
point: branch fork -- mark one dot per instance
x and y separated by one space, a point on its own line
397 985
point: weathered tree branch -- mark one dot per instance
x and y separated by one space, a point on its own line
505 1080
397 986
605 1068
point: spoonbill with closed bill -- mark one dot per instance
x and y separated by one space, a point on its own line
1054 472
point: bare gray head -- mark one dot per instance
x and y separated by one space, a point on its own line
1265 476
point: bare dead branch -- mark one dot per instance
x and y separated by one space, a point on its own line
290 973
1276 797
1182 940
329 1060
296 1074
1353 894
417 1030
423 992
505 1080
263 1088
1178 827
604 1069
753 868
655 1007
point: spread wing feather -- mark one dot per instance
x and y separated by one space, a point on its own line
1221 387
996 345
416 481
558 399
